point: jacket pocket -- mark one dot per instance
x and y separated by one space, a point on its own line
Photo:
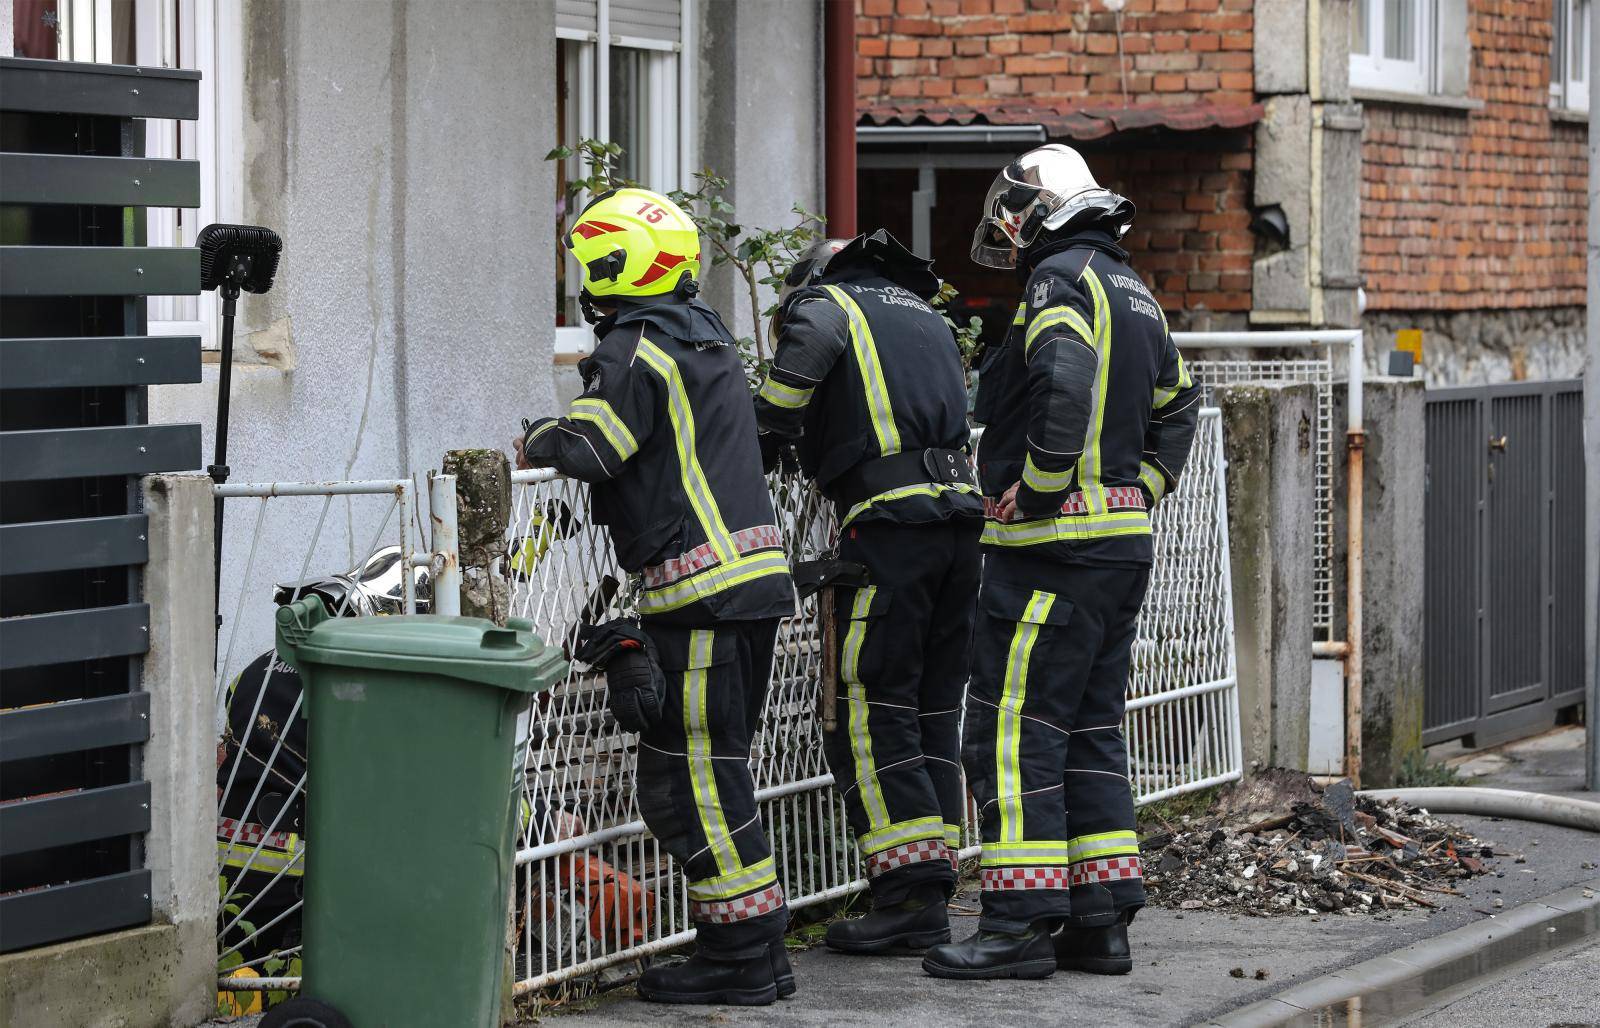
865 634
1020 605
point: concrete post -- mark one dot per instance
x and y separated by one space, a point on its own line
180 758
1266 431
483 510
1393 522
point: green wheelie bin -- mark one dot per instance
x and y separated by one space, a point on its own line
411 727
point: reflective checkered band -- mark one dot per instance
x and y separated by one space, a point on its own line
1007 879
250 834
741 908
1108 869
905 855
746 540
1119 497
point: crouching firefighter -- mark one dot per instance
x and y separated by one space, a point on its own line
1090 414
869 379
665 435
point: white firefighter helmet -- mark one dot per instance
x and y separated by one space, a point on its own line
1044 189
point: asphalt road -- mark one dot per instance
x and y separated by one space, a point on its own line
1183 961
1562 991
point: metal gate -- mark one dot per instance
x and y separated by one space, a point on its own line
1504 559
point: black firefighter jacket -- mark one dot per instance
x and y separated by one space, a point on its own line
1088 404
665 434
864 368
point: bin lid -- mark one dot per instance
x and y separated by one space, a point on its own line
470 649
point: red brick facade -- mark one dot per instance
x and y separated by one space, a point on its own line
1053 51
1191 241
1479 209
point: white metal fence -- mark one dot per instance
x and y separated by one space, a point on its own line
351 525
1315 360
595 890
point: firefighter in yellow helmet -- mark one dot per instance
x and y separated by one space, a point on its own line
665 434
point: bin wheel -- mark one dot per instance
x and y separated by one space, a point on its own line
303 1012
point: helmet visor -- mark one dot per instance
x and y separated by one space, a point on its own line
1039 190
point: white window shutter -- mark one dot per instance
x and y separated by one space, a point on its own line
578 15
658 21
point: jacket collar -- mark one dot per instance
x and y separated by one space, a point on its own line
1091 238
690 321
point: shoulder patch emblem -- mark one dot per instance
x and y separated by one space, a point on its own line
1041 292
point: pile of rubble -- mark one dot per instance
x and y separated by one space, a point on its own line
1281 844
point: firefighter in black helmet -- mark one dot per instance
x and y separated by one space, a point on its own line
1090 415
665 434
868 379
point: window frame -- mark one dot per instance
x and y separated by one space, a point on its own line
213 45
590 112
1373 71
1569 91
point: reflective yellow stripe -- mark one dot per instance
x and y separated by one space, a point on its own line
1164 394
269 860
952 836
1090 466
694 476
1106 844
902 832
712 581
697 743
762 872
866 769
1066 529
1026 853
1055 316
1008 748
1044 481
1153 480
536 433
1021 316
599 413
787 396
877 390
900 493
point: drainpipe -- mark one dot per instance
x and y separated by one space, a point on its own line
1355 443
839 114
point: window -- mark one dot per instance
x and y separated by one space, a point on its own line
1569 60
623 74
200 34
1391 45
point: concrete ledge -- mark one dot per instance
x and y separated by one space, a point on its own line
129 979
1554 922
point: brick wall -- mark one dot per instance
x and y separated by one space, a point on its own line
1478 209
1191 241
1047 51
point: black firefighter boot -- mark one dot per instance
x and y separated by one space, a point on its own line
986 954
1098 950
919 921
782 972
703 979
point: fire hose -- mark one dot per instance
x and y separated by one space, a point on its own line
1508 803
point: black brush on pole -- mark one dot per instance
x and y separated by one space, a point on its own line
233 258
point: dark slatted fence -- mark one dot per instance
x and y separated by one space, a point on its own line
75 360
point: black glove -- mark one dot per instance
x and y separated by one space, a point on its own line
635 686
777 452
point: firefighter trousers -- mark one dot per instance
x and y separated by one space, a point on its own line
905 640
1044 750
695 790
